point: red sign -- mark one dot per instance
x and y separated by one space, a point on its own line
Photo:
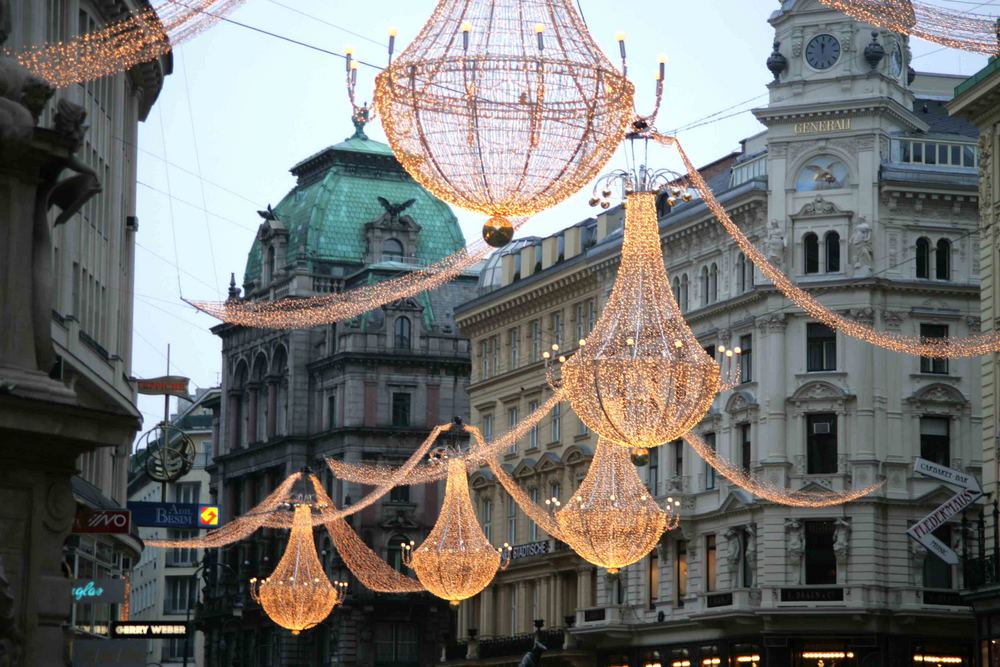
118 522
208 515
169 385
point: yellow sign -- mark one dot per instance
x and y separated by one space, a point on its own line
819 126
208 515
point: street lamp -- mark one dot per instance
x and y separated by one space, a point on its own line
237 604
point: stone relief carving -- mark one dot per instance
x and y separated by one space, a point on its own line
864 315
917 555
733 548
861 247
773 322
841 540
975 324
797 42
776 243
750 556
893 319
794 550
819 206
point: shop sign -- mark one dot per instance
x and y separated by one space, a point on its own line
168 385
969 491
529 550
174 515
102 652
148 629
822 126
113 522
98 591
719 600
812 594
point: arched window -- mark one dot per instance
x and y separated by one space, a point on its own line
741 273
943 260
810 250
704 285
832 242
677 290
713 283
392 249
402 333
684 293
923 258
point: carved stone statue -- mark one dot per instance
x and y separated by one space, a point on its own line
775 243
794 549
750 555
733 547
841 540
22 97
861 246
533 658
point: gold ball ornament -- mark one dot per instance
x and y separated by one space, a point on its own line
498 231
640 456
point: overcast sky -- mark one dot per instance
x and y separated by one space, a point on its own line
242 107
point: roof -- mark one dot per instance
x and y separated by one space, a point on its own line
337 194
935 114
991 68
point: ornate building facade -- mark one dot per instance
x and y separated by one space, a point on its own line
369 389
67 409
864 190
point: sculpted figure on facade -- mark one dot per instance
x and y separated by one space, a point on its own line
795 548
733 547
861 247
917 555
750 556
775 243
841 540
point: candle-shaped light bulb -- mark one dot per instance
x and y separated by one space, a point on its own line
392 40
349 55
620 38
663 66
466 29
539 30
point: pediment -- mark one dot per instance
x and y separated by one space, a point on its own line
549 461
821 208
735 501
939 495
740 400
482 478
524 468
576 454
404 304
818 390
939 394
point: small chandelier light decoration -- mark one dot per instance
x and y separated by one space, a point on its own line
298 595
642 378
506 107
612 520
948 27
456 561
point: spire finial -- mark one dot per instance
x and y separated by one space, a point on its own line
360 118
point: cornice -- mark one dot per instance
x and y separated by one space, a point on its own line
770 116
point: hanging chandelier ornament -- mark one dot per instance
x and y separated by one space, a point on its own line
506 107
456 561
948 27
298 596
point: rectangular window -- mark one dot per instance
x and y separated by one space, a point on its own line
710 479
678 450
533 433
746 358
484 366
556 422
821 348
400 409
927 364
511 423
821 444
532 526
396 644
935 440
187 492
745 447
494 355
487 427
331 411
654 579
557 328
514 347
511 520
680 573
937 573
591 315
555 489
487 516
654 471
181 595
821 562
536 339
710 564
581 428
173 649
581 324
399 494
180 556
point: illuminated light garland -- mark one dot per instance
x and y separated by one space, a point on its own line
303 313
948 27
971 346
139 37
506 107
642 378
456 561
751 483
480 454
298 595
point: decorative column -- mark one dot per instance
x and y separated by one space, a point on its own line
272 406
254 389
233 422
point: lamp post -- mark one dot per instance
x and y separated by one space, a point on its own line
237 604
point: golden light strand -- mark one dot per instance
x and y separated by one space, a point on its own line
303 313
971 346
506 107
298 595
642 378
948 27
456 561
751 483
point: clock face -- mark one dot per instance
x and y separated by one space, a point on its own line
896 62
823 51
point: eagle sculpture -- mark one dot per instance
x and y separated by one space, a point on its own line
395 209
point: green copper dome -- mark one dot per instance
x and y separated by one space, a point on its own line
338 192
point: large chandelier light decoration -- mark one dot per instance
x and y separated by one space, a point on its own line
949 27
298 596
970 346
506 107
642 378
140 36
456 560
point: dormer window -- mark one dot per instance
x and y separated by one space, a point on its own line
392 250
